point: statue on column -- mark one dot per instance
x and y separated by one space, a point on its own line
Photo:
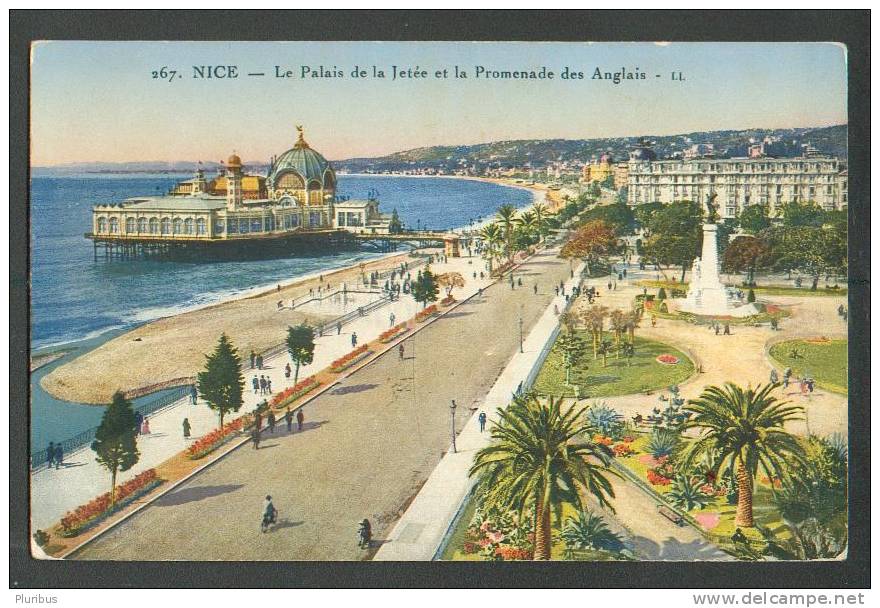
711 208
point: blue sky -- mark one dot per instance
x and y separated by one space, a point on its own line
96 101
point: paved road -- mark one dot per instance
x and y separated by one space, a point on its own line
368 446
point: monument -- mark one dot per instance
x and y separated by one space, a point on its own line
706 294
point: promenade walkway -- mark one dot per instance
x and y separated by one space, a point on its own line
368 445
81 478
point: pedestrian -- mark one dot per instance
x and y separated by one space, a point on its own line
287 370
810 384
519 282
59 453
262 384
535 289
556 310
271 420
299 420
50 454
400 350
255 436
254 357
482 419
194 394
391 319
556 289
653 320
288 418
256 384
803 385
624 273
774 377
338 328
268 385
727 329
609 285
354 339
186 428
138 421
145 427
717 329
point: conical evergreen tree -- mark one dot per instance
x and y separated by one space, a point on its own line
115 443
222 383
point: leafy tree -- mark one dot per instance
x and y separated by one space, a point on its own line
115 443
644 212
751 296
538 461
754 218
795 215
572 349
449 281
300 346
222 383
590 243
395 227
817 488
605 347
746 253
425 288
676 235
746 428
814 251
629 351
620 217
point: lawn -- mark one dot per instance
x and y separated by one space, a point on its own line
820 358
620 377
770 290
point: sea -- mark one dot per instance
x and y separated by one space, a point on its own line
77 303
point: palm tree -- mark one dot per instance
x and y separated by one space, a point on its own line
506 216
539 460
631 322
746 429
618 320
594 318
492 236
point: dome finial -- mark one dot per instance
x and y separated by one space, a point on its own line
300 142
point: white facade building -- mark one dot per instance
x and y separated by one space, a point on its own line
739 182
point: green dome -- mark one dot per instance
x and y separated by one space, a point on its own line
301 159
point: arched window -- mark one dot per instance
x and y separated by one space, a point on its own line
200 226
329 180
102 224
166 225
154 226
142 224
288 202
129 224
178 225
114 225
188 226
289 181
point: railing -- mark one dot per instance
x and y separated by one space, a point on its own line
41 457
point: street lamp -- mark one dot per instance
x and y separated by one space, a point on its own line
520 330
452 407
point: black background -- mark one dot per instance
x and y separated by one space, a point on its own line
848 27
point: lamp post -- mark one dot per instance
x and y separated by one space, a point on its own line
520 330
452 407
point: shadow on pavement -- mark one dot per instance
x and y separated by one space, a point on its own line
187 495
673 549
285 523
354 388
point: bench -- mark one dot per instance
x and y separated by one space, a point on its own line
671 515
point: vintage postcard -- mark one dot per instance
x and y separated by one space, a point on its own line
414 301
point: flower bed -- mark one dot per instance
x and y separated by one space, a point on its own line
662 472
666 359
94 512
352 358
213 440
447 301
291 394
423 315
393 333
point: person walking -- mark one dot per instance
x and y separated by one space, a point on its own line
300 417
256 384
186 428
138 421
727 329
253 359
774 377
400 351
194 394
288 418
262 384
338 328
287 371
482 419
535 289
145 427
255 437
50 454
354 339
391 319
268 385
59 454
271 420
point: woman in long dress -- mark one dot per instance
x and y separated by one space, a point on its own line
145 427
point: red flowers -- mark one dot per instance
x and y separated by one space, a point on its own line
343 363
657 479
667 359
622 449
294 392
422 315
387 336
99 508
507 553
213 440
601 439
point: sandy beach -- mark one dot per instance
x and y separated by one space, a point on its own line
174 347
